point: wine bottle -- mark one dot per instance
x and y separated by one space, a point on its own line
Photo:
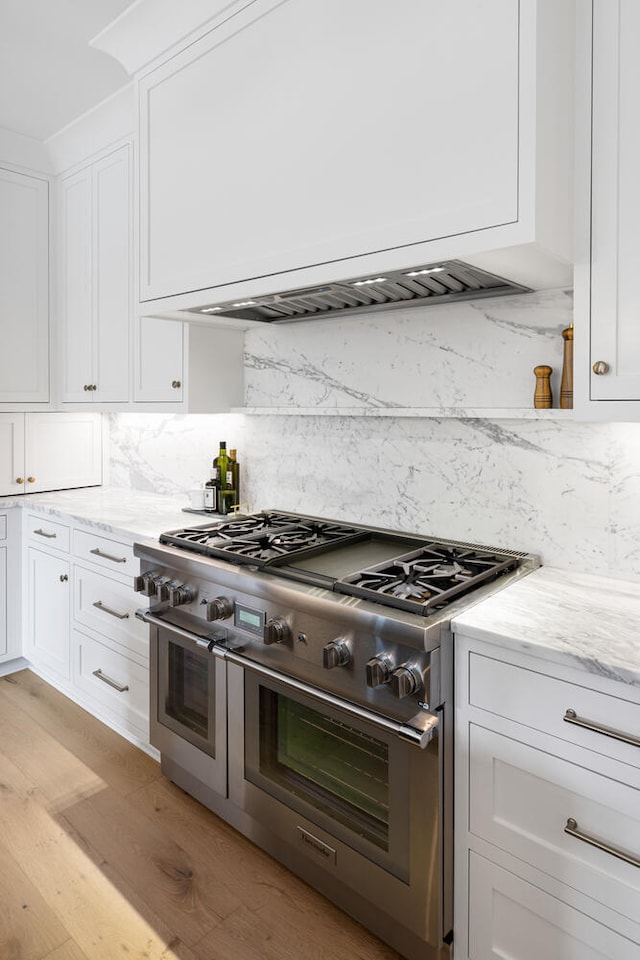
220 465
231 495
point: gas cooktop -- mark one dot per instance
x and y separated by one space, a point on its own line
405 571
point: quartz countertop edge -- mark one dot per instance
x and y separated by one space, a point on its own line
572 619
130 514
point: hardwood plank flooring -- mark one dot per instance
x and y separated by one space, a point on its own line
103 858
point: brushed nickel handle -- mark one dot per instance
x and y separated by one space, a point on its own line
572 829
31 479
43 533
176 384
19 479
572 717
112 683
600 367
113 613
107 556
64 577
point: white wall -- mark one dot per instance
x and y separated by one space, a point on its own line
565 490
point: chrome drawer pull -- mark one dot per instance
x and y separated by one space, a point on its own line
112 683
572 717
107 556
43 533
572 829
114 613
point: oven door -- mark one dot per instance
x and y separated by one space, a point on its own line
188 708
345 802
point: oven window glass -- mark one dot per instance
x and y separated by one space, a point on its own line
335 768
187 691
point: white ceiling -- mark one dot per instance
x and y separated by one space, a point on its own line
49 75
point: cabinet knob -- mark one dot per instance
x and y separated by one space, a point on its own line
87 386
64 577
176 384
31 479
600 367
19 479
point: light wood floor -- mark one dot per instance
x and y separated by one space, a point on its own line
102 858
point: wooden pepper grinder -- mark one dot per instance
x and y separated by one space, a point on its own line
566 382
542 397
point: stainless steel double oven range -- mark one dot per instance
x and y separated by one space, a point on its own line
301 688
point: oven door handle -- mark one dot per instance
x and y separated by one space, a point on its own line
420 729
155 621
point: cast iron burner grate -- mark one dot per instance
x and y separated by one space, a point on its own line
258 538
425 579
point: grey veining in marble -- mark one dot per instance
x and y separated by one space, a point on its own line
125 513
579 620
565 490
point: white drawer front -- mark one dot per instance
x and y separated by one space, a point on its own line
115 556
521 798
509 917
119 684
108 607
3 526
541 702
48 533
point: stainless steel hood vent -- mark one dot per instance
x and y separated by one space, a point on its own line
429 284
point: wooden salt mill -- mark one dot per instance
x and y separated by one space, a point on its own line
566 383
542 396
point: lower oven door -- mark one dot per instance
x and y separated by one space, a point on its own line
188 708
352 807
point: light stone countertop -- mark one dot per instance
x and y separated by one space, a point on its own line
126 513
573 619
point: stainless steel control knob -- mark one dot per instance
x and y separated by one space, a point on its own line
336 653
146 584
378 670
219 609
406 680
180 593
163 585
276 630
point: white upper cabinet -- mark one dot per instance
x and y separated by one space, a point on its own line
24 288
615 238
95 280
300 141
49 451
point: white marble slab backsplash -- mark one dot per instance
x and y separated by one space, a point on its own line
567 491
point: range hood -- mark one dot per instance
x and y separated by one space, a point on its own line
435 283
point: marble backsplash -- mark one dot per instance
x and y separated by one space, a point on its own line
567 491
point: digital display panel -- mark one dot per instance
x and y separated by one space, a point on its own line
248 619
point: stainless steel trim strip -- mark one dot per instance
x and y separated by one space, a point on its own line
180 632
112 683
113 613
107 556
572 717
572 829
420 730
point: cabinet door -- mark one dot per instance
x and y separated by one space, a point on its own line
301 132
3 601
95 295
63 450
159 360
615 295
112 274
12 478
48 631
24 288
76 313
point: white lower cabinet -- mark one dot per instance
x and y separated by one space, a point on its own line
4 596
547 861
48 611
82 634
